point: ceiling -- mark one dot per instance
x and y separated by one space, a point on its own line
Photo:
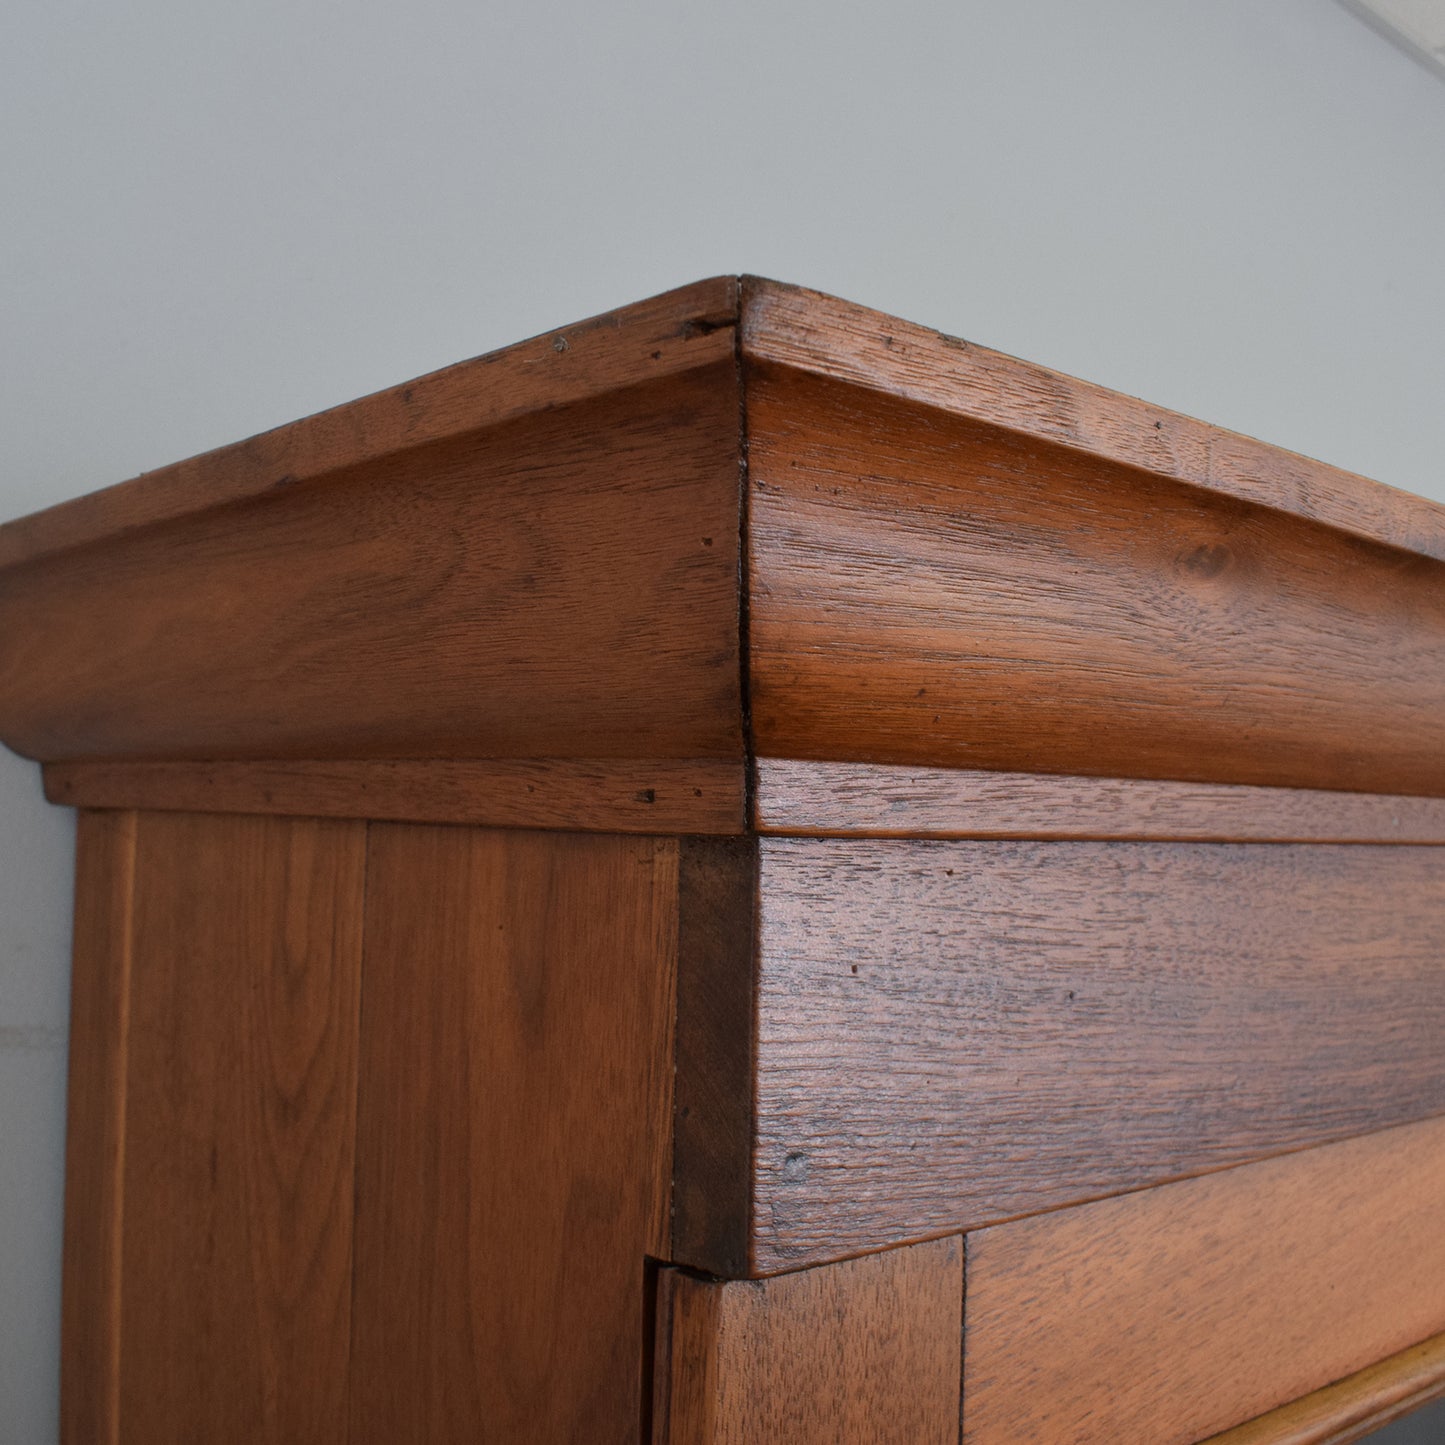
1416 26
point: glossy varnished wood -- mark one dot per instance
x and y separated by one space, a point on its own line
617 795
882 800
241 1074
1105 701
794 328
1354 1407
1170 1314
928 590
563 585
953 1033
865 1350
95 1147
514 1138
957 560
680 331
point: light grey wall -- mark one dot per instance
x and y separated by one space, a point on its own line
217 217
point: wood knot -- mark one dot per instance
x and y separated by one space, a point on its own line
1207 560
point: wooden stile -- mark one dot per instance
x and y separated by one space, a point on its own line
514 1136
863 1350
95 1145
240 1099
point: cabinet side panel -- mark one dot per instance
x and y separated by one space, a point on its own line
239 1130
514 1141
868 1349
1176 1312
95 1129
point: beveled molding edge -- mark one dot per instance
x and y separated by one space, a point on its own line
882 800
666 335
825 336
765 321
700 337
1353 1407
790 798
609 795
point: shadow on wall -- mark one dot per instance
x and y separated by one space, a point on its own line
1425 1427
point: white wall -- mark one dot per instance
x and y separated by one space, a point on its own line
217 217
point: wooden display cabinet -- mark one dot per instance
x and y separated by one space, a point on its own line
746 871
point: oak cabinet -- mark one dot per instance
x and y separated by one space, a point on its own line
746 871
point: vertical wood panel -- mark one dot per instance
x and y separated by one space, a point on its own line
95 1132
1176 1312
240 1123
866 1350
514 1141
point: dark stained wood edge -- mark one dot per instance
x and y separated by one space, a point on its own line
898 801
807 331
1353 1407
95 1129
714 1101
675 332
612 795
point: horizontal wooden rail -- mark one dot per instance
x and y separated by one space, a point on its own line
1171 1313
949 1034
879 800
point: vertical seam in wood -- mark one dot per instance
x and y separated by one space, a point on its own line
125 847
366 827
652 1425
744 571
652 1266
662 1237
754 1046
962 1324
715 1045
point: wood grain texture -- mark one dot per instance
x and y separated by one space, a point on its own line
561 585
929 590
617 795
865 1350
1176 1312
240 1129
679 331
95 1144
824 336
883 800
1353 1407
514 1138
714 1122
951 1034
